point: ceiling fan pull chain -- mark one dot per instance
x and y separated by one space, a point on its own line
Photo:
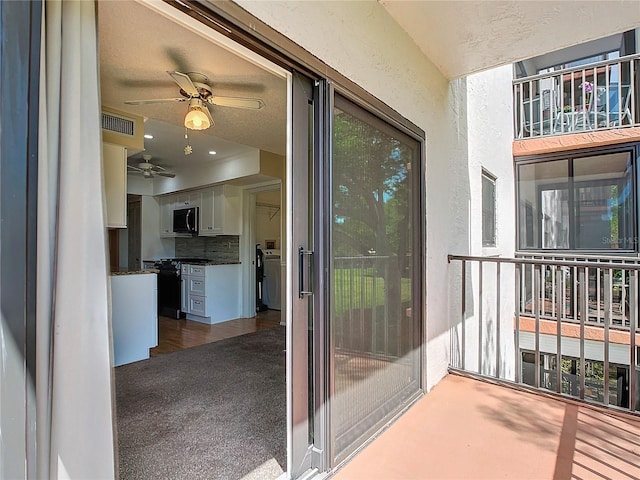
188 149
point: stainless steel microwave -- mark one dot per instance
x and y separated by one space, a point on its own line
185 220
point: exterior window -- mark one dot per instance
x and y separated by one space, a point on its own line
488 210
581 203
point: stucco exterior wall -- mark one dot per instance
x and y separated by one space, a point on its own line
489 130
362 42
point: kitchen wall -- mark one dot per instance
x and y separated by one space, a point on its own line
268 218
222 248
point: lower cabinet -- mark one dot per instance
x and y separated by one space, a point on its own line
211 293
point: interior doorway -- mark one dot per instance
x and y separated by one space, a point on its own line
264 227
194 412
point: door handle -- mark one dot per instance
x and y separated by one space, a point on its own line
301 254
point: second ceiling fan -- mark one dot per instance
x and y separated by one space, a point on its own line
195 89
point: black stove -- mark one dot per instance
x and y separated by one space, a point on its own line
180 260
170 284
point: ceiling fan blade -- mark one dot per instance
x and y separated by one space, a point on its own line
135 169
165 174
156 100
206 110
185 83
158 167
237 102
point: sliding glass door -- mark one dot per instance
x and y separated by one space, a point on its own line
375 314
355 275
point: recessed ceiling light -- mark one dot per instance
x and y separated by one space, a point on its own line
149 136
212 152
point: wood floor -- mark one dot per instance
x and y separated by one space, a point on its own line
174 335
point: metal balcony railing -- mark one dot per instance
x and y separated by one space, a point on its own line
570 328
597 289
598 96
370 297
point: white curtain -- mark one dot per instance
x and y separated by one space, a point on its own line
74 375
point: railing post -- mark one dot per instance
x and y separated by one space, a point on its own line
363 302
584 307
574 293
464 311
536 307
518 359
608 274
498 320
632 93
480 317
633 322
559 308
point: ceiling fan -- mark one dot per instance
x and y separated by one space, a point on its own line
195 89
150 170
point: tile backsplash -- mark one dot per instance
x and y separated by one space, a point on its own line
223 248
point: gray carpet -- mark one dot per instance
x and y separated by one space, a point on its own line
213 412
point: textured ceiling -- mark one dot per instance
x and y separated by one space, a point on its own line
465 37
138 46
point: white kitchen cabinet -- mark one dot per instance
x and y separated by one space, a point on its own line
114 161
184 290
211 293
166 215
169 203
187 199
220 211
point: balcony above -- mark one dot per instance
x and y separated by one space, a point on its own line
598 97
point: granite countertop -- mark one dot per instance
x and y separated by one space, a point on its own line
126 271
212 262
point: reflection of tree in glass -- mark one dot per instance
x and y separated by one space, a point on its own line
371 190
372 216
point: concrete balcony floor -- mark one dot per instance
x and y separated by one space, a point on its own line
470 429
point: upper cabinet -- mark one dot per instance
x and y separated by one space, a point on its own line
187 199
169 203
166 215
114 160
220 211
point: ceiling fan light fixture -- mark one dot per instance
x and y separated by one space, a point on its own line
197 118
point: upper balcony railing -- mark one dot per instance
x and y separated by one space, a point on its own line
598 96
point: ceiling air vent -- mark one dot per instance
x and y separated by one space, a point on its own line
117 124
124 129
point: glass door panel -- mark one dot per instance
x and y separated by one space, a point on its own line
374 260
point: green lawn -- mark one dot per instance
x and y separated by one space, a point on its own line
360 288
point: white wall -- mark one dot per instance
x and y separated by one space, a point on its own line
368 47
268 219
151 245
139 185
490 139
200 175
